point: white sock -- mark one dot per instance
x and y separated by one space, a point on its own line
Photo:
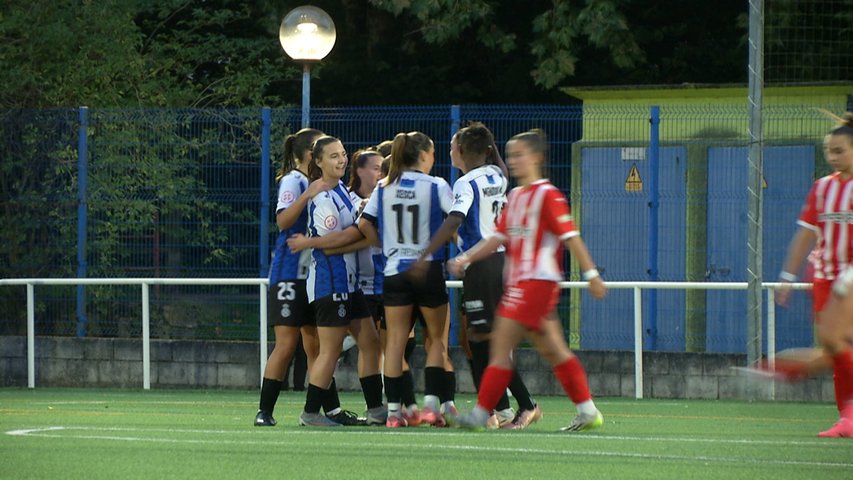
431 401
334 412
393 409
587 408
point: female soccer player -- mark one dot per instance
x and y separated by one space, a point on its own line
835 328
535 222
479 197
289 311
331 287
406 209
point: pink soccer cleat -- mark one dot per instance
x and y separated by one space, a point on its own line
432 417
843 428
395 422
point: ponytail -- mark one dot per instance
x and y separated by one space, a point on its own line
295 146
405 153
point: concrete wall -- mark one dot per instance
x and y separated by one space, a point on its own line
113 362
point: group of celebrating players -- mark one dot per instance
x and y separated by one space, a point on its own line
370 257
366 259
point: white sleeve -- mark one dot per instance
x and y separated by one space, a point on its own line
324 215
371 210
445 195
463 197
289 189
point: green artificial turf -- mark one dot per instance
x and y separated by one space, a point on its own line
127 434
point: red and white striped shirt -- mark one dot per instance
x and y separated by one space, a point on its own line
533 224
828 213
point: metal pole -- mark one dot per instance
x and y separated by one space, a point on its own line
654 208
638 342
453 335
146 338
306 95
82 215
264 241
31 336
263 332
754 190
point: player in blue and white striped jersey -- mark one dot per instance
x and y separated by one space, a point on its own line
479 197
338 304
289 312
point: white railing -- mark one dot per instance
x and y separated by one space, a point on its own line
263 283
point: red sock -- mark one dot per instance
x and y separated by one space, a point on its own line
573 378
492 386
842 364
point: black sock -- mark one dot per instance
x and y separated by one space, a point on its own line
407 388
520 392
449 392
393 389
314 397
371 387
331 400
474 377
479 360
433 381
269 395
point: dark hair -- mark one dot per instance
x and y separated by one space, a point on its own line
475 140
295 146
359 159
384 148
537 140
406 152
845 126
314 171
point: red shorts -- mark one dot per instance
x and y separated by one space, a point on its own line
821 291
529 302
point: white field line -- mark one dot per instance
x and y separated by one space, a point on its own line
54 432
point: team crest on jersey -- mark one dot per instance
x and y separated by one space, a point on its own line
285 311
287 197
331 222
342 310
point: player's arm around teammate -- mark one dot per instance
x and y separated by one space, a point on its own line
331 285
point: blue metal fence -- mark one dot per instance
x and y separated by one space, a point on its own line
187 193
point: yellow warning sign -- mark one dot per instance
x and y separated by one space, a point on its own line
634 183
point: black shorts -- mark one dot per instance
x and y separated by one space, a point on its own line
399 290
482 289
339 309
377 309
287 304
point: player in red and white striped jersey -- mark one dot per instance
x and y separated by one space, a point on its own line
534 226
826 230
831 197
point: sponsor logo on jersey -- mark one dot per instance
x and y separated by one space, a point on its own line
492 191
836 217
287 197
565 218
330 222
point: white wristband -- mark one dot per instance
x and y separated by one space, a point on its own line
590 274
463 261
787 276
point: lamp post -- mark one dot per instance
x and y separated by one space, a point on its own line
307 35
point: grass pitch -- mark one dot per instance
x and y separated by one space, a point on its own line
128 434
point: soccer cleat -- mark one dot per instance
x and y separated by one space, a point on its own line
493 423
348 419
412 416
264 419
583 422
432 417
505 416
317 420
842 428
524 418
472 421
395 422
450 414
377 415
